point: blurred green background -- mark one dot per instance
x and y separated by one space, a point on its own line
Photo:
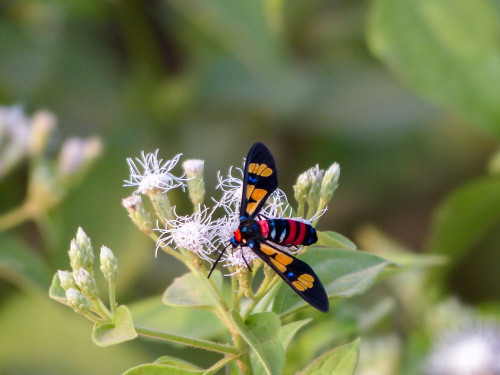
403 94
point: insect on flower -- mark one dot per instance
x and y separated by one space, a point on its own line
263 235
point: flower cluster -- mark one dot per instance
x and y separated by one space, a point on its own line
78 287
200 232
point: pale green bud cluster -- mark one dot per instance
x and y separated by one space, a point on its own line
80 285
330 182
315 179
43 124
301 188
76 155
86 283
109 264
81 253
139 215
67 280
161 203
316 187
78 301
25 138
195 181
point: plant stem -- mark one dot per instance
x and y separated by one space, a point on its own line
300 209
234 289
15 217
270 293
263 289
112 296
218 300
244 360
102 310
218 365
322 205
198 343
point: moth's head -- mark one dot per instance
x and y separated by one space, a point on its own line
236 239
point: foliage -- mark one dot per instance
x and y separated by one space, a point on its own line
402 93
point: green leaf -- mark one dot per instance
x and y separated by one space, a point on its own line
165 365
339 361
288 331
261 332
121 330
22 266
186 291
344 273
56 291
335 240
153 313
157 369
447 50
465 217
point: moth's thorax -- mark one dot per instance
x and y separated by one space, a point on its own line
250 230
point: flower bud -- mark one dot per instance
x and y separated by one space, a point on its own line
315 180
161 203
109 264
195 181
76 155
43 124
71 157
78 301
330 182
86 282
66 279
301 188
138 213
81 253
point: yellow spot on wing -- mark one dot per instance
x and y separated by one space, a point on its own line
283 259
251 207
266 172
298 286
250 190
307 280
258 194
267 249
261 168
278 265
252 167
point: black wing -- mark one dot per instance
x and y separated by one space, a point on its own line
260 180
296 273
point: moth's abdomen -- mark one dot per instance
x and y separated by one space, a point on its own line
288 232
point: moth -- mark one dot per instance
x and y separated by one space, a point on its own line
264 236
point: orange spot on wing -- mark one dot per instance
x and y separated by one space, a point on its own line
258 194
252 167
266 172
278 265
261 168
298 286
250 189
283 259
251 207
307 280
268 250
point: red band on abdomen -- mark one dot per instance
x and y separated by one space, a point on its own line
302 233
293 230
264 228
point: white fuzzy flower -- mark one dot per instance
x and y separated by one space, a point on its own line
474 350
149 173
194 232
